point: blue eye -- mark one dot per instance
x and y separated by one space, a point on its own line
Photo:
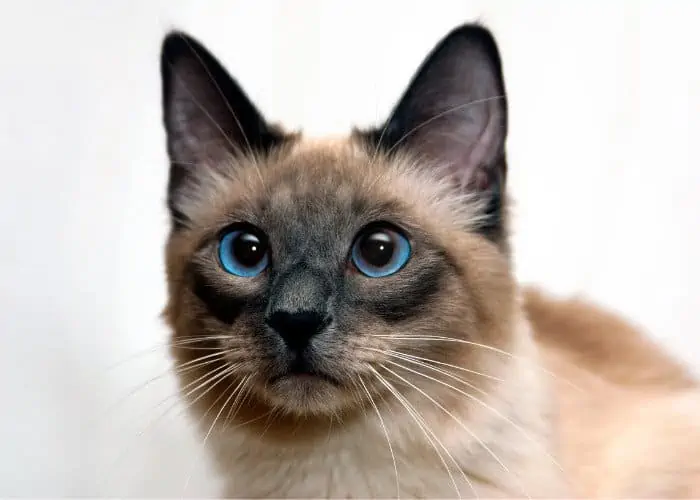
244 253
380 252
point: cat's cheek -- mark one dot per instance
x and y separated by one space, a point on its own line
398 299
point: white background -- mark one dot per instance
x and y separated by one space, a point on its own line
605 107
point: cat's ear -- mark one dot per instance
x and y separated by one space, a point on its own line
454 113
207 115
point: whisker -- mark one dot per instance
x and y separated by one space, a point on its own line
180 367
216 418
359 464
227 370
451 339
210 376
164 345
433 361
249 421
215 377
482 403
199 338
427 432
185 163
449 365
188 347
270 420
236 405
183 368
483 346
451 415
419 362
386 434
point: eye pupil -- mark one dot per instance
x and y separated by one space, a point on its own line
248 249
377 249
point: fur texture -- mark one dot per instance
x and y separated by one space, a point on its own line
442 379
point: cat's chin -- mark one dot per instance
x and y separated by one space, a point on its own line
307 394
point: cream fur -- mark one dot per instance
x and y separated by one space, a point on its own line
354 461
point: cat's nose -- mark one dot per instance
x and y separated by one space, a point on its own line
297 328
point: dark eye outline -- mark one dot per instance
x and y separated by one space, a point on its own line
225 255
402 251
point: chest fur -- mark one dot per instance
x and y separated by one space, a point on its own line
342 467
359 464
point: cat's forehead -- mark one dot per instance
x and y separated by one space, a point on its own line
317 167
325 185
329 185
342 177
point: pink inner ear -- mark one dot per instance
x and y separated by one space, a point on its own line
466 144
481 180
474 179
456 106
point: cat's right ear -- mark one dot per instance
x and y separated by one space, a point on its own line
454 113
207 117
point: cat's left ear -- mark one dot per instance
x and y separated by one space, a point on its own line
207 116
454 113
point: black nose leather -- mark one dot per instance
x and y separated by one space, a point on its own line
297 328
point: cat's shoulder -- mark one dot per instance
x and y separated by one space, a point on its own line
628 413
598 341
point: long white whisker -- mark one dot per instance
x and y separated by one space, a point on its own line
410 359
236 405
197 359
480 402
386 434
449 365
483 346
183 368
450 339
427 432
451 415
208 378
234 392
359 463
215 377
199 338
164 345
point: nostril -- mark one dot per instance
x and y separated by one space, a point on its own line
297 328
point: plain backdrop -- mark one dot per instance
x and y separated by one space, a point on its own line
604 113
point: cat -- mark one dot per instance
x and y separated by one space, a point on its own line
345 318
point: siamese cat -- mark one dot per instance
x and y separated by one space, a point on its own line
346 321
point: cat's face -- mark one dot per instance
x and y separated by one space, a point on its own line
307 276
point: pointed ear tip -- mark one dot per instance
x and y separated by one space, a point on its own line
173 39
476 30
475 33
176 43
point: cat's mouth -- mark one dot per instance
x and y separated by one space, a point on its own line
302 371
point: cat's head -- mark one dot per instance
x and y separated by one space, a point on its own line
306 276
